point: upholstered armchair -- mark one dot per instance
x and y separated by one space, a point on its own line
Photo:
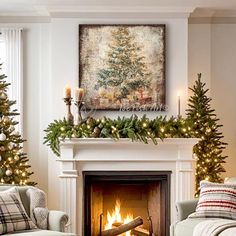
185 225
54 221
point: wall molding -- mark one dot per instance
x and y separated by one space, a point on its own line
46 15
212 20
127 15
117 15
25 19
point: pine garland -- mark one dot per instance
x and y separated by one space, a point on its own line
208 151
136 129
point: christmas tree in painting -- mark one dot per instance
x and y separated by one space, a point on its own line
126 68
13 161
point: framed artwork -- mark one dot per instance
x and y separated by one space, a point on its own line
122 67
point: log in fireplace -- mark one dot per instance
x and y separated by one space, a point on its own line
129 203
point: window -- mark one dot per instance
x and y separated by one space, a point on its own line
2 55
11 60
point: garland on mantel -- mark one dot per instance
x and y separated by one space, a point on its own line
135 128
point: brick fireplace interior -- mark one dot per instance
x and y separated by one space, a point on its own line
117 201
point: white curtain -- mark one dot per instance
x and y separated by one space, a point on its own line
14 69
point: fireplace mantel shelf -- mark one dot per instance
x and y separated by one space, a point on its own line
75 148
79 141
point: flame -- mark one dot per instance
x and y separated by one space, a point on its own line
115 217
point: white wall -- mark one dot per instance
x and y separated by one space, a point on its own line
212 51
51 61
64 69
199 53
224 85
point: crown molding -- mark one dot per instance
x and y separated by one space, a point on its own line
120 11
127 15
25 19
199 20
212 20
45 13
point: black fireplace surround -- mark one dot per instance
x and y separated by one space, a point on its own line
93 178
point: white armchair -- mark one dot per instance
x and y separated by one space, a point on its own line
56 222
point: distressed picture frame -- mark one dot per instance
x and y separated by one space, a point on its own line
122 67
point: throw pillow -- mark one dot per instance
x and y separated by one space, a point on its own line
41 216
38 200
12 213
216 201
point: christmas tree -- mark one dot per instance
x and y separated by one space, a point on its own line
126 67
208 151
13 161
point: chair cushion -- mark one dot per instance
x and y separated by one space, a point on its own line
186 227
216 201
12 214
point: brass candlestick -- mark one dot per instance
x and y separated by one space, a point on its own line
69 116
79 105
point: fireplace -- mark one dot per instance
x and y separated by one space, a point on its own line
117 201
88 166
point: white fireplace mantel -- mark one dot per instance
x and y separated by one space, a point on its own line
104 154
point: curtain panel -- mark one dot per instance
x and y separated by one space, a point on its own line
14 69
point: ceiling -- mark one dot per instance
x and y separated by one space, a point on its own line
54 8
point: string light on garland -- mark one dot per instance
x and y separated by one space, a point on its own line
144 125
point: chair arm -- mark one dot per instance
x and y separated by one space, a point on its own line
185 208
57 221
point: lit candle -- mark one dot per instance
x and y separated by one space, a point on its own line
79 93
67 91
178 95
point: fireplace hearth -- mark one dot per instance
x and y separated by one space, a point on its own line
127 203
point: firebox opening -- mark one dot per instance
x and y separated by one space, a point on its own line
127 204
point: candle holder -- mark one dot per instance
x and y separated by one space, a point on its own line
79 105
69 116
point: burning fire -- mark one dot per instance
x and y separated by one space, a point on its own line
115 217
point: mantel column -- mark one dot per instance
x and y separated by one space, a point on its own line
184 173
68 186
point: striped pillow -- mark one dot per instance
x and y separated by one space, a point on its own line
12 214
216 201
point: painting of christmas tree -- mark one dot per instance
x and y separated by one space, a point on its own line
122 66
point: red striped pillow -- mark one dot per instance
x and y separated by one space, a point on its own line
216 201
